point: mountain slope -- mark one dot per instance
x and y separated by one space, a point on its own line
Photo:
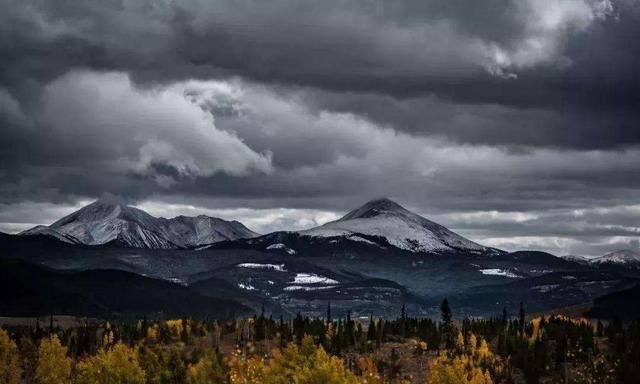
28 290
401 228
53 233
107 220
577 259
617 304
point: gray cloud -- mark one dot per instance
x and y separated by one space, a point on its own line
98 125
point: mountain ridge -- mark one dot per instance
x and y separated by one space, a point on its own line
107 220
624 256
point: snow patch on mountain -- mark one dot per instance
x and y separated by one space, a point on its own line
246 286
361 240
312 278
498 272
307 288
282 247
275 267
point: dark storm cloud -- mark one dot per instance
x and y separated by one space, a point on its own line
575 61
451 107
400 47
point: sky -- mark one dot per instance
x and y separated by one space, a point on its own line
512 122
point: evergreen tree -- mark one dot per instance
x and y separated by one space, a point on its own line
599 329
372 333
447 326
445 312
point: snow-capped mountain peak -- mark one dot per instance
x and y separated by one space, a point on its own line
110 220
374 208
399 226
625 256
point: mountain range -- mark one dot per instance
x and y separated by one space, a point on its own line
373 260
625 257
110 221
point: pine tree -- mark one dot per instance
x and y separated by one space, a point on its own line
371 330
447 326
184 331
599 329
445 312
403 321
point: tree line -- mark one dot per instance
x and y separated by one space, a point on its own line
261 349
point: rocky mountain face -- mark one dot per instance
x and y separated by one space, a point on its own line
109 221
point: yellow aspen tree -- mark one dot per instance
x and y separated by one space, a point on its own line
54 367
10 371
460 342
483 351
119 365
306 364
205 371
473 342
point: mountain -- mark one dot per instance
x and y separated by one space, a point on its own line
577 259
29 290
622 257
201 230
110 221
400 227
